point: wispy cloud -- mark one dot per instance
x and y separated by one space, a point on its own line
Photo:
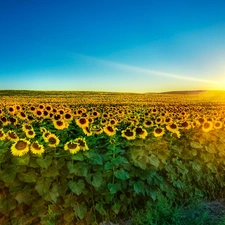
144 71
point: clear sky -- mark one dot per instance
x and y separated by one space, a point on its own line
112 45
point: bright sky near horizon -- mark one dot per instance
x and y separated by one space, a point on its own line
112 45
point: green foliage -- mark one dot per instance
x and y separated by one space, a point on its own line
113 179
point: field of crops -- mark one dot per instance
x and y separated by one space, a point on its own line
86 157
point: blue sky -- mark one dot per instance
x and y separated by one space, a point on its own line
112 45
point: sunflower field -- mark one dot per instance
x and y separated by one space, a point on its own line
85 157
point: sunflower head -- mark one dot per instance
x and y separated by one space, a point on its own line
109 130
82 143
82 122
30 133
129 134
158 131
60 124
87 131
53 140
207 126
20 147
72 146
218 124
141 133
12 136
2 135
36 148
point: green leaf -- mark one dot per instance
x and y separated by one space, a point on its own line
196 167
210 149
90 218
24 195
121 174
152 194
68 215
60 163
80 168
7 205
141 162
21 161
33 163
108 166
113 188
96 159
78 156
119 160
80 210
45 162
139 187
8 175
43 185
77 187
154 160
99 207
28 177
116 207
53 194
212 167
195 144
97 179
52 171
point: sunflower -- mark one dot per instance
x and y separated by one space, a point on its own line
95 114
48 108
113 122
103 122
53 140
46 114
43 129
60 124
2 134
217 124
13 120
141 133
82 122
159 120
158 131
37 148
128 134
12 136
22 115
57 117
26 127
4 121
168 120
97 129
30 118
61 111
38 113
41 106
68 116
109 130
148 123
186 125
82 143
30 133
172 128
175 134
20 147
46 134
207 126
72 146
87 131
11 110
